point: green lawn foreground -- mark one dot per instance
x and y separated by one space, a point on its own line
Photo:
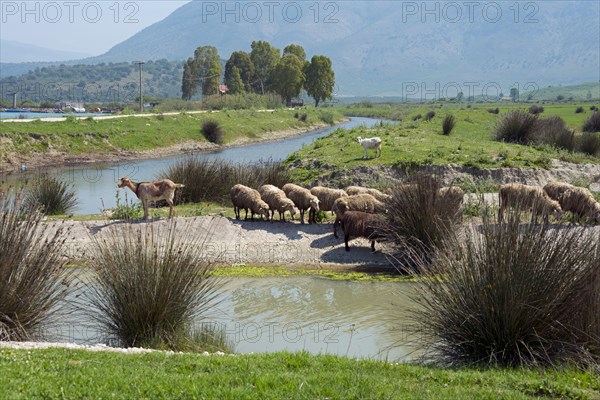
61 373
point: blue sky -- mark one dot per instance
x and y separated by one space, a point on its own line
81 26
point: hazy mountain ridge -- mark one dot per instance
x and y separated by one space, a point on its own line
378 48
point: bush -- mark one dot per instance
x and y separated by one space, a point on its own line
593 108
243 101
448 124
512 295
429 115
418 221
516 127
33 282
127 211
52 195
212 131
534 109
553 131
493 110
207 180
592 124
417 117
589 143
327 117
149 284
579 110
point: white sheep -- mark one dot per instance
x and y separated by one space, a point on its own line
304 200
354 190
327 196
370 143
526 197
581 203
277 200
248 198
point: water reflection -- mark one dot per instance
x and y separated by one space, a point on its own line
355 319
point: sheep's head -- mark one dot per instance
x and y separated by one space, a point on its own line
359 139
598 217
125 181
265 212
557 212
314 204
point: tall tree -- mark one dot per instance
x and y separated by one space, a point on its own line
287 78
320 79
241 60
296 50
264 57
235 82
188 82
204 69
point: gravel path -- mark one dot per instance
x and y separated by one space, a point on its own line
232 242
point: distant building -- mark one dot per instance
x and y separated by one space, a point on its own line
223 89
506 98
75 107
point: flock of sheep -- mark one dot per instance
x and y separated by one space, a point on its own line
359 210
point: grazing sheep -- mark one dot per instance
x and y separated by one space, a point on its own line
354 190
453 196
581 203
304 200
248 198
277 200
359 202
361 224
327 196
158 190
528 197
556 189
370 143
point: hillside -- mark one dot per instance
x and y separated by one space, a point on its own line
378 48
583 91
16 52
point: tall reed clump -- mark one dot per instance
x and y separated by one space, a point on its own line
211 180
512 295
554 132
53 195
149 284
592 124
516 127
33 282
448 124
419 220
213 132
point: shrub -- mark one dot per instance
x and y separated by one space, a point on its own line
52 195
579 110
535 109
512 295
127 211
516 127
493 110
592 124
327 117
589 143
429 115
418 221
448 124
593 108
417 117
553 131
211 180
149 284
33 282
212 131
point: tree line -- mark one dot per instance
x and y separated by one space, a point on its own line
264 69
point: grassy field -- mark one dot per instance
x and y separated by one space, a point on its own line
413 141
90 136
59 373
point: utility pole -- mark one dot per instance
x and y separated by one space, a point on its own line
140 63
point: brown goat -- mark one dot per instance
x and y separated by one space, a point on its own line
158 190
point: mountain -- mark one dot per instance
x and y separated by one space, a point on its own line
16 52
407 49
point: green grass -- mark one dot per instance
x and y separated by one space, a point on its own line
416 143
59 373
86 136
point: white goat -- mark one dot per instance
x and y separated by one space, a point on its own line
370 143
147 191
